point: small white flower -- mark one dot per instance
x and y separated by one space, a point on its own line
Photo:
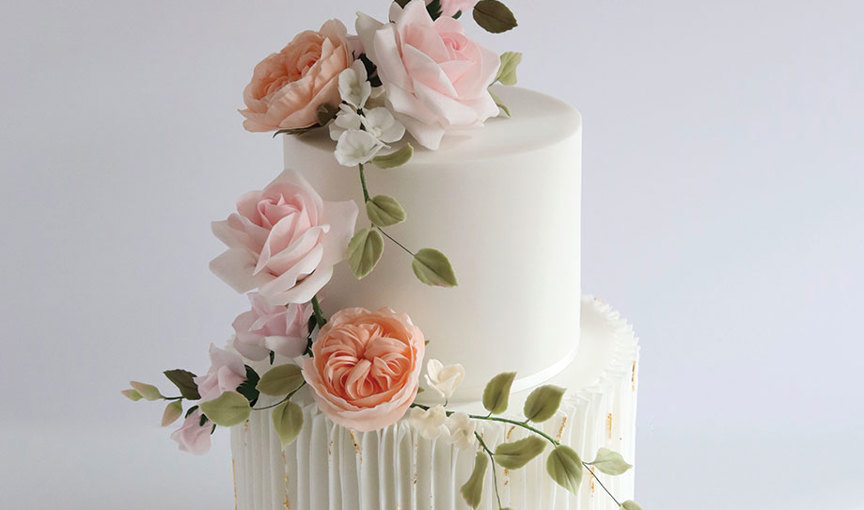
382 125
443 379
461 429
354 88
346 119
356 147
430 424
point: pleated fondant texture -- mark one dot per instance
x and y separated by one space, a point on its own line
330 467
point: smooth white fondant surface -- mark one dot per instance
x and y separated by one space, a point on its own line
330 467
503 203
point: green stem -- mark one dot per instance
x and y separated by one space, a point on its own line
277 404
319 315
494 473
388 236
587 468
363 184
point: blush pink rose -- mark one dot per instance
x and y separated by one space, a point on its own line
284 240
366 365
288 87
192 436
277 328
227 372
436 78
451 7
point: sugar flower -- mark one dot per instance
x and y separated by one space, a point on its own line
276 328
284 240
366 367
347 119
429 422
354 87
226 373
192 436
461 429
381 124
443 379
357 147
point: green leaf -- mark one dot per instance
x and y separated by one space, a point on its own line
610 462
510 60
543 402
402 3
518 453
433 268
496 395
472 491
434 9
287 422
147 391
565 468
384 211
295 131
173 411
326 113
183 379
248 388
364 251
231 408
394 159
132 395
494 16
630 505
190 411
281 380
500 103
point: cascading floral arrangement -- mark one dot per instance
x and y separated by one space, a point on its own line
418 74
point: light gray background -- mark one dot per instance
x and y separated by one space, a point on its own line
722 215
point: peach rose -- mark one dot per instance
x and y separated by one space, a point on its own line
284 240
288 87
436 78
366 366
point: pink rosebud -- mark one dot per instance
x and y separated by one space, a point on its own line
276 328
226 373
288 87
365 369
192 436
284 240
451 7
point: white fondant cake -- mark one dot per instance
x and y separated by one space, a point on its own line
517 257
330 467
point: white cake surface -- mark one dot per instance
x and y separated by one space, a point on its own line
503 203
330 467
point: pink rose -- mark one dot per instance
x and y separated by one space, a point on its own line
226 373
366 366
451 7
192 436
288 87
436 78
276 328
284 240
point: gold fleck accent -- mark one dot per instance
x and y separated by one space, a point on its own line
330 448
561 430
287 504
609 425
633 378
415 479
234 479
246 426
510 432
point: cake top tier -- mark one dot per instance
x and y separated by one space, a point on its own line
537 121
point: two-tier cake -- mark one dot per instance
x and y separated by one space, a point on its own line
417 337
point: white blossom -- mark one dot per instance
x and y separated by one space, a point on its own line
429 423
443 379
354 88
346 119
461 429
356 147
381 124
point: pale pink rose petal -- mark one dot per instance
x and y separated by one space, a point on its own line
192 437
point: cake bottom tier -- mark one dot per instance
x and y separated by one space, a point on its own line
330 467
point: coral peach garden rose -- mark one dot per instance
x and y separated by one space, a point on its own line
365 367
288 87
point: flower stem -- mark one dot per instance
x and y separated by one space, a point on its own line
494 473
319 315
363 183
388 236
277 404
587 468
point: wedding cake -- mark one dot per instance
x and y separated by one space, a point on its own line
373 371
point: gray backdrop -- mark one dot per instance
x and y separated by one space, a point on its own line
722 209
